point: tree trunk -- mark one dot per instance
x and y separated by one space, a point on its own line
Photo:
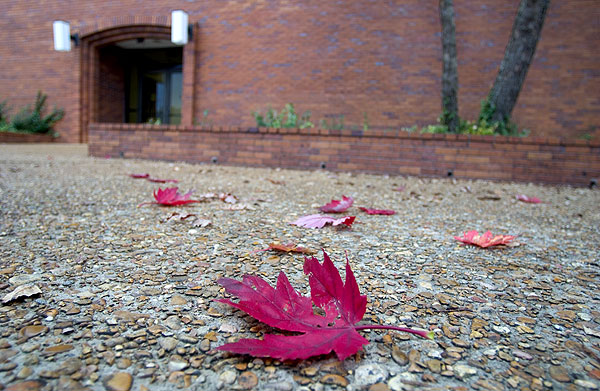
517 57
449 68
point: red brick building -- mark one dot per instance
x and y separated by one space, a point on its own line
379 60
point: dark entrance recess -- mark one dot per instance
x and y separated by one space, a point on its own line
140 82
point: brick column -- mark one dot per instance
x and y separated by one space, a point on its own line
189 79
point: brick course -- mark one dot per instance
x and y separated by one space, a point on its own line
382 59
550 160
9 137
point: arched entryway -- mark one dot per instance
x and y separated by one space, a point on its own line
134 74
140 82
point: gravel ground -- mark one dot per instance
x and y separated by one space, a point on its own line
127 299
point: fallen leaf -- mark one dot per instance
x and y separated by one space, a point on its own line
530 200
319 221
240 206
337 206
140 176
170 197
484 240
489 198
157 180
490 195
209 196
149 178
21 291
196 222
284 308
175 216
378 211
276 182
287 248
228 198
201 222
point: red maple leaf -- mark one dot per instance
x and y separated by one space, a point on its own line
337 206
283 308
319 221
484 240
531 200
378 211
170 197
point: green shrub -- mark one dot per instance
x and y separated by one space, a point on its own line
32 120
287 118
505 127
436 129
484 126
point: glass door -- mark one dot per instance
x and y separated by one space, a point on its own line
175 88
155 96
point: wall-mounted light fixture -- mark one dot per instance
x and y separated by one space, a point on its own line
181 31
63 37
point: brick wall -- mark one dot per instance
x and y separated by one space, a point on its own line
543 160
111 86
351 58
8 137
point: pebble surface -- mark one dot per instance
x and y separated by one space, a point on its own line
103 295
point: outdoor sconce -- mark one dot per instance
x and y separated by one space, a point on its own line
181 31
63 37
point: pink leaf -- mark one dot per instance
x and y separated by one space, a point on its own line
319 221
378 211
484 240
336 206
170 197
531 200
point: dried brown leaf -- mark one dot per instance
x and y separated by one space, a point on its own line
21 291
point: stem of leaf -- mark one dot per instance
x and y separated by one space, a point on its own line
420 333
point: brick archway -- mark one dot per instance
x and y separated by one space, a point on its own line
107 33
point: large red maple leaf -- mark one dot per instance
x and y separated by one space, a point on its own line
284 308
337 206
170 197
